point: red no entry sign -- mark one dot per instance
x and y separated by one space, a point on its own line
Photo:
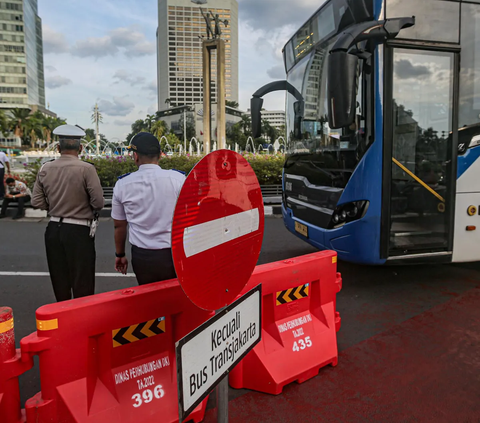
217 229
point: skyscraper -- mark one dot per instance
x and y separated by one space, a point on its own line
179 43
21 56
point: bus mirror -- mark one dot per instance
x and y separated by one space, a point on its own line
256 113
342 88
299 110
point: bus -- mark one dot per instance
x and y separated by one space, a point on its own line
383 130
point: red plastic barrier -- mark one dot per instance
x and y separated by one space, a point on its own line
11 367
299 323
111 357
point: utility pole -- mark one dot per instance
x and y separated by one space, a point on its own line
185 130
97 136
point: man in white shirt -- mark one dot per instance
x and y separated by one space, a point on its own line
16 191
3 162
144 201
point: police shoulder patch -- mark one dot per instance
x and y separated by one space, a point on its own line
179 171
123 176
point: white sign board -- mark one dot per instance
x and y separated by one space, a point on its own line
208 353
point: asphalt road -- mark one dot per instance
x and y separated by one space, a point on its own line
373 299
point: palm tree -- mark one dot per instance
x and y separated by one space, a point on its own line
18 121
149 122
3 122
49 123
34 128
159 129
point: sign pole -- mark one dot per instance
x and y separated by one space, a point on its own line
221 392
222 401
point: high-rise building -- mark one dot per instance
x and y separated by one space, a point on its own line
181 27
275 118
21 56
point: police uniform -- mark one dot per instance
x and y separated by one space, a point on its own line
70 190
146 200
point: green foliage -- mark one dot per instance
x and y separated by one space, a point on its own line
31 172
267 167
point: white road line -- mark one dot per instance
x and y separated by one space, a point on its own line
100 275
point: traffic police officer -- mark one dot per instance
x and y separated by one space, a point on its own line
70 190
145 201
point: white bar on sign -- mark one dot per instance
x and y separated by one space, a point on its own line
204 236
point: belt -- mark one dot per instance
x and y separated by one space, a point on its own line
83 222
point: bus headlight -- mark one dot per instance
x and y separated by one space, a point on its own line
348 213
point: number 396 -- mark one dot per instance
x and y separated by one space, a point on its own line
301 344
147 396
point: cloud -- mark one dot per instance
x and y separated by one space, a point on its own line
53 42
50 68
277 72
404 69
123 75
272 14
122 122
120 106
95 47
126 39
57 81
151 86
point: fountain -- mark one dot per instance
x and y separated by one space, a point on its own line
190 146
279 146
168 148
247 146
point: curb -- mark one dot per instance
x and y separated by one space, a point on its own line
31 214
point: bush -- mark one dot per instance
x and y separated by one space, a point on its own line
267 167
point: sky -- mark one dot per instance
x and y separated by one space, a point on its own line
104 52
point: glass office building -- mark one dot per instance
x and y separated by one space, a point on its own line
21 55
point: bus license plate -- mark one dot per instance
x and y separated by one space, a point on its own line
301 229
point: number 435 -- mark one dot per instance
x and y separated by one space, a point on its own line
301 344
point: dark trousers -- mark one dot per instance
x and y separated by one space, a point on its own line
71 260
21 205
152 265
2 182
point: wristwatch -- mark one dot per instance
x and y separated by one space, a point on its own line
119 255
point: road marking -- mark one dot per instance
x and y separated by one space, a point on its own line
100 275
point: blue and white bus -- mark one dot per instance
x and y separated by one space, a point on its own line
383 130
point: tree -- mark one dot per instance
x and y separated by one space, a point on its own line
18 121
268 131
159 129
49 123
137 126
246 125
235 135
233 104
3 122
34 128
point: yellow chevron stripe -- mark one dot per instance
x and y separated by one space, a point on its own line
128 334
146 331
296 293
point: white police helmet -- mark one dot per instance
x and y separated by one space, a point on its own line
70 131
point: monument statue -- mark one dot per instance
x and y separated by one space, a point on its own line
208 23
209 19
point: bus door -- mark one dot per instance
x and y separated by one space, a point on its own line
419 157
